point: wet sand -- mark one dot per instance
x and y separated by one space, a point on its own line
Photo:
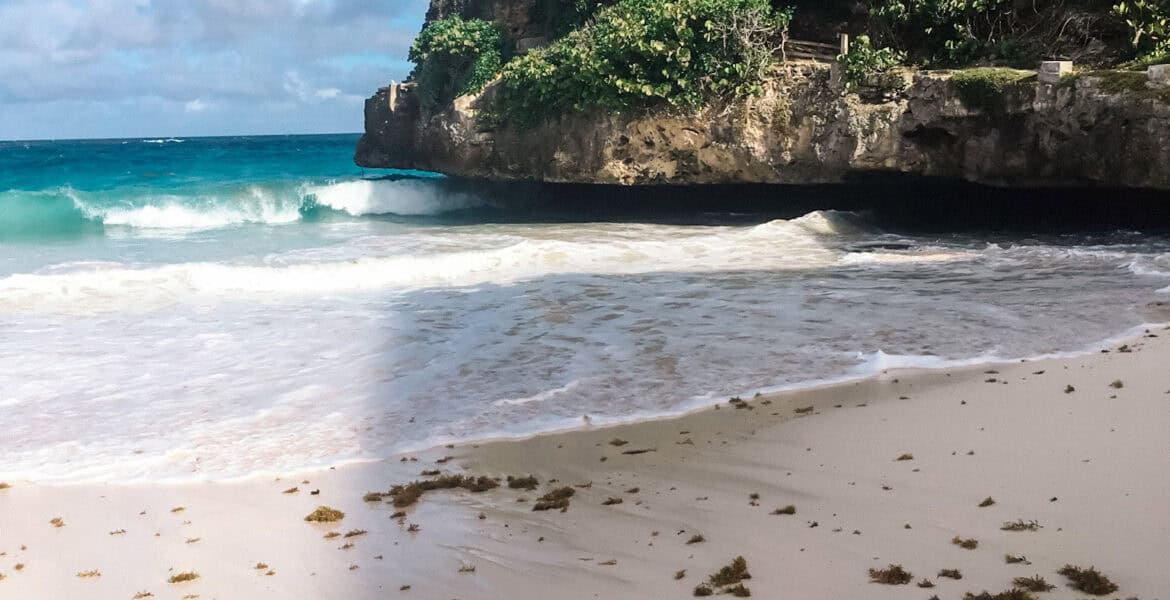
1088 466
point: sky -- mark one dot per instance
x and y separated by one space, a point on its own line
130 68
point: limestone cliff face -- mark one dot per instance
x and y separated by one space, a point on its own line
803 129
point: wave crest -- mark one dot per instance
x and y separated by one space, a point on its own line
67 210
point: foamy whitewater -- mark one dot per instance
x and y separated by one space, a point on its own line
218 308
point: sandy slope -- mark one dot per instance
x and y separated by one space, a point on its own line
1091 466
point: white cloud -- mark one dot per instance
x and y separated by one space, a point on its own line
319 55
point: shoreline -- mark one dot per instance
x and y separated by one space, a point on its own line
902 364
1102 458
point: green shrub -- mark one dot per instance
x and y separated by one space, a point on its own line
863 62
1149 21
985 88
640 53
454 57
946 32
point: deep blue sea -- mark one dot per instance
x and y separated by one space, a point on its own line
224 307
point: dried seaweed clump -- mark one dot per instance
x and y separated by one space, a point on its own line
732 573
787 510
184 576
4 485
1090 580
966 544
1012 594
903 457
891 575
988 501
523 483
1020 525
325 514
951 574
696 539
1035 583
406 494
555 499
738 590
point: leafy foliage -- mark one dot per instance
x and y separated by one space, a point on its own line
639 53
947 32
1149 21
453 57
863 62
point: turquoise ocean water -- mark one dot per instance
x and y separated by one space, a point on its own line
226 307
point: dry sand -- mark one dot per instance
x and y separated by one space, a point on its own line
1092 467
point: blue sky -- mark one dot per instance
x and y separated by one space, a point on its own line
129 68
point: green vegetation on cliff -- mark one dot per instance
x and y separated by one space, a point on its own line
620 55
454 57
985 88
647 52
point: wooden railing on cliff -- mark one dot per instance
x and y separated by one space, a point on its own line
819 51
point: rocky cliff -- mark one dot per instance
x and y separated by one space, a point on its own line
804 128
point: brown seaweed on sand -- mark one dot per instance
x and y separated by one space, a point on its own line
1089 580
966 544
555 499
522 483
891 575
406 494
1035 583
325 514
1020 525
951 574
1012 594
731 574
184 576
787 510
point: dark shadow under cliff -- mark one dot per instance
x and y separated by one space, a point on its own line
892 203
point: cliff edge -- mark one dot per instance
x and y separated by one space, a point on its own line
804 128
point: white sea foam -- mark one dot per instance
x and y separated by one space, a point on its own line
400 197
1155 266
164 141
778 245
254 204
389 337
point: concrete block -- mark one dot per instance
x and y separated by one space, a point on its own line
1159 74
1052 70
523 46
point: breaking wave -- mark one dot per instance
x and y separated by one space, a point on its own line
67 210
